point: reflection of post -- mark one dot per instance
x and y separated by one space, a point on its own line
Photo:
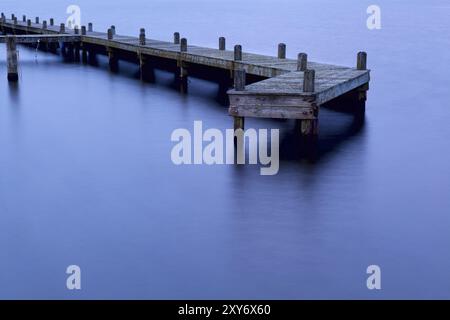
11 52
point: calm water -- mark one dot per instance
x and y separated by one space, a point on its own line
86 176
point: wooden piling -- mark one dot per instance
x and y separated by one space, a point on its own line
302 62
24 18
52 22
239 123
113 61
176 38
44 24
237 52
309 79
281 51
113 30
110 34
183 45
83 30
222 45
90 27
29 23
11 52
239 79
62 28
15 20
142 37
37 20
361 63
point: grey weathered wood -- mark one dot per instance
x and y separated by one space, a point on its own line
239 79
113 30
176 38
183 45
28 23
309 81
37 20
83 30
302 62
24 18
237 52
44 24
90 27
281 51
222 44
62 28
361 63
52 22
110 34
11 52
142 37
76 30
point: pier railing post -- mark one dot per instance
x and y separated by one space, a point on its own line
110 34
113 30
76 30
52 22
176 38
183 45
90 27
11 52
83 30
29 23
44 24
24 18
302 62
37 20
222 43
281 51
142 37
62 28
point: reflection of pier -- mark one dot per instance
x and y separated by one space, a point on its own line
282 88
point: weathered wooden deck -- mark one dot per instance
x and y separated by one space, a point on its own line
293 89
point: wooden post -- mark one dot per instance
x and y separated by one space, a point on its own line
90 27
237 52
113 30
62 28
183 45
142 37
302 62
11 52
239 85
28 23
12 16
83 30
37 20
176 38
24 18
76 30
15 20
308 128
113 61
361 63
44 24
222 43
52 22
281 51
239 79
110 34
309 79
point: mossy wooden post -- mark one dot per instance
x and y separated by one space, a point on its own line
281 51
176 38
12 60
302 62
309 127
222 43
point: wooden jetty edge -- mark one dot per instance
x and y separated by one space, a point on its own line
285 88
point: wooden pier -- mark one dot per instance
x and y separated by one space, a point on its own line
284 88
